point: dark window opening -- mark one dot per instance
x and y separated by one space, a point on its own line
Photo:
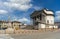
40 17
48 21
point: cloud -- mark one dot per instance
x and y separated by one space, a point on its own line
57 17
3 11
21 1
57 13
37 7
23 20
19 4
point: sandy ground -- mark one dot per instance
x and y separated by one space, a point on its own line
46 35
5 36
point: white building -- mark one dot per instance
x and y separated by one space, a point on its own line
43 19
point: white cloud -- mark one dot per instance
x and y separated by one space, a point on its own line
19 4
37 8
3 11
23 20
57 13
57 17
21 1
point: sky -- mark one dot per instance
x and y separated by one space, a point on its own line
20 10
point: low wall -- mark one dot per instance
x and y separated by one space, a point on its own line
2 31
48 29
25 31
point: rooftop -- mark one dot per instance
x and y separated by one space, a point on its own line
45 11
11 21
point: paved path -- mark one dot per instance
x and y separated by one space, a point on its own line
47 35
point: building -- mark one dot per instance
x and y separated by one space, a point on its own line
7 24
57 23
3 24
43 19
15 24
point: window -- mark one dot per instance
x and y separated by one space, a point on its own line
52 21
35 18
36 23
40 17
48 21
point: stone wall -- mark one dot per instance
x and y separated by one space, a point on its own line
25 31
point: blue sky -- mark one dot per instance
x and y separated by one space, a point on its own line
21 9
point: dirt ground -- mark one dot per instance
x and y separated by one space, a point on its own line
42 35
45 35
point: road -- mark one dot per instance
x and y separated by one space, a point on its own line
46 35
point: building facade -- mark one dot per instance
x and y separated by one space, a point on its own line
57 23
7 24
16 24
43 19
3 24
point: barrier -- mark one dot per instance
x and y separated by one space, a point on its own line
25 31
2 31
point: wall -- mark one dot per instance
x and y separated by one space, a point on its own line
41 25
55 26
50 26
50 18
15 24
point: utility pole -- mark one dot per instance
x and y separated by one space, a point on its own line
9 22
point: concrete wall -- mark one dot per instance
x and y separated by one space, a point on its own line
50 19
41 25
55 26
50 26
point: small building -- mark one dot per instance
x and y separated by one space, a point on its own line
16 24
7 24
3 24
43 19
58 24
23 26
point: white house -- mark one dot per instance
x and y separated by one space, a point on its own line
43 19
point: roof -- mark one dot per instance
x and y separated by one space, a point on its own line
48 11
16 22
8 21
4 21
36 13
45 11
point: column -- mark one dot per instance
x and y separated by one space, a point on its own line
40 17
39 26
